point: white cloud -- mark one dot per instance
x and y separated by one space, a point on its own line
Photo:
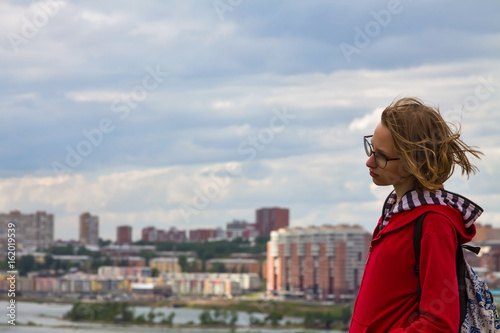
366 123
99 19
226 79
94 96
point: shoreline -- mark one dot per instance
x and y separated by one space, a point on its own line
267 308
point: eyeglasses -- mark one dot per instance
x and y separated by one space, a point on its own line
380 159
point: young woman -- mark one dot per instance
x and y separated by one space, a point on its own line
414 150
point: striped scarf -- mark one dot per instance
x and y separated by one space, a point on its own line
412 199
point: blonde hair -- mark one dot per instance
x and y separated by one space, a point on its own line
428 147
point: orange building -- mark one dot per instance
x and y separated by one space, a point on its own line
486 232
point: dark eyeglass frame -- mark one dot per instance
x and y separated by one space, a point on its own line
378 156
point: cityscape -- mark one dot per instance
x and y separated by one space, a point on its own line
322 263
206 160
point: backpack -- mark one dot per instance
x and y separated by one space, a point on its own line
478 312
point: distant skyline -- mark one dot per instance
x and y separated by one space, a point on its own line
194 113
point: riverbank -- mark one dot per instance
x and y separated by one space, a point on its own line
261 312
48 318
221 313
243 304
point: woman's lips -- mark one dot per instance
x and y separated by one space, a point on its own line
374 175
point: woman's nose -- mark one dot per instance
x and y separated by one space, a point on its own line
370 162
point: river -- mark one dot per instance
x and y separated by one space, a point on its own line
47 318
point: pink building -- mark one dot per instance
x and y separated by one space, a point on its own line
317 262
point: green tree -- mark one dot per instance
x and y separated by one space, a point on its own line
26 264
346 314
274 316
48 260
103 243
328 319
62 250
183 263
147 255
141 319
205 318
218 267
309 320
234 318
125 313
151 316
169 320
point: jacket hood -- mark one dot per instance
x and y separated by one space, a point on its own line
469 211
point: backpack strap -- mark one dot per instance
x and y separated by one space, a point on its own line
417 236
462 291
460 266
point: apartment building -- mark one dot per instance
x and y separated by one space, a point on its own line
235 265
270 219
124 234
201 235
209 284
324 262
32 231
151 234
89 229
486 232
166 264
241 229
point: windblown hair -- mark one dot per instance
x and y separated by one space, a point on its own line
429 147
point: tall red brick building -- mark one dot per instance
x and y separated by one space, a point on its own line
124 234
317 262
269 219
89 229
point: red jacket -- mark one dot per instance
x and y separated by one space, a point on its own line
387 299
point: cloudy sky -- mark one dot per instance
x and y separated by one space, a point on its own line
194 113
